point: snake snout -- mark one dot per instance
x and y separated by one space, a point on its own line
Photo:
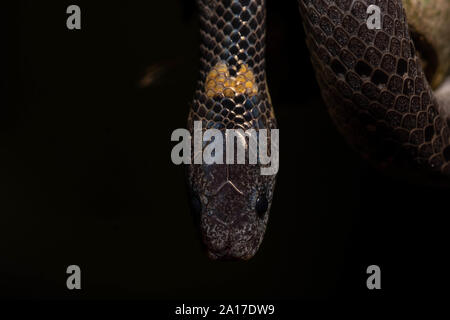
231 234
232 250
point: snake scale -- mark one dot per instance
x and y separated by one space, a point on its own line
372 83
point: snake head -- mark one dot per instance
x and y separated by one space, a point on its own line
231 204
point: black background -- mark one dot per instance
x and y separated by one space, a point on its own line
86 176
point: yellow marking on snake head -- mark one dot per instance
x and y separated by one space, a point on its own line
220 79
240 78
249 75
220 82
240 89
213 74
210 84
243 69
230 83
228 92
221 67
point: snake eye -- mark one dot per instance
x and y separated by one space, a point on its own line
261 205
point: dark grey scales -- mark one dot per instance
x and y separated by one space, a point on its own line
373 84
232 202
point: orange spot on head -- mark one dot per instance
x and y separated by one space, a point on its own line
219 81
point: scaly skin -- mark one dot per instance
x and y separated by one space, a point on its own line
231 202
373 84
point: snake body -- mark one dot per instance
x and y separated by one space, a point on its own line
372 83
231 202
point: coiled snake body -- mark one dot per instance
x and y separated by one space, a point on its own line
371 81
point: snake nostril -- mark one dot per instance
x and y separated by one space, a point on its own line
261 205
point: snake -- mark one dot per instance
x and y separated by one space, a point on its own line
373 83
